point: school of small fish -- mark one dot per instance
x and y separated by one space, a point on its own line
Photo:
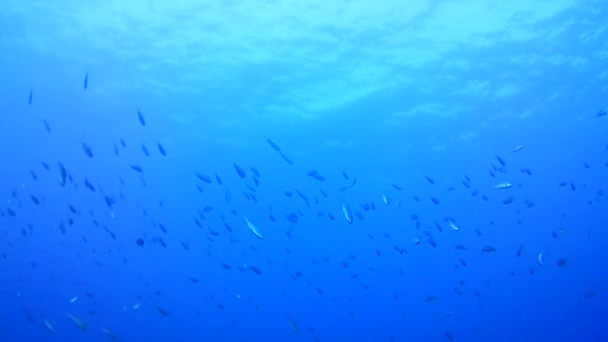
328 196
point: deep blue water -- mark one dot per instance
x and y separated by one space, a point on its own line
420 101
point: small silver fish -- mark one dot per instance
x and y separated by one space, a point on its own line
453 225
503 186
253 228
49 326
385 200
348 214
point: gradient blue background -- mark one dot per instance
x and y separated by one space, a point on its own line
389 92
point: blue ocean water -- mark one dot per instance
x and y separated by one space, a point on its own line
303 170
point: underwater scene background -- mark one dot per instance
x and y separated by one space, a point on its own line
303 170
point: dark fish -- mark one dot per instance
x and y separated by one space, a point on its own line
203 177
599 113
293 218
488 249
520 249
345 175
429 179
302 196
109 200
323 193
500 160
145 150
314 174
289 161
140 241
397 187
136 168
87 150
273 145
162 311
88 185
115 149
207 209
438 226
86 80
141 118
161 149
63 174
349 186
562 262
45 166
226 225
239 170
590 295
508 200
255 171
218 179
123 143
34 176
228 196
255 270
435 200
288 194
35 199
29 99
